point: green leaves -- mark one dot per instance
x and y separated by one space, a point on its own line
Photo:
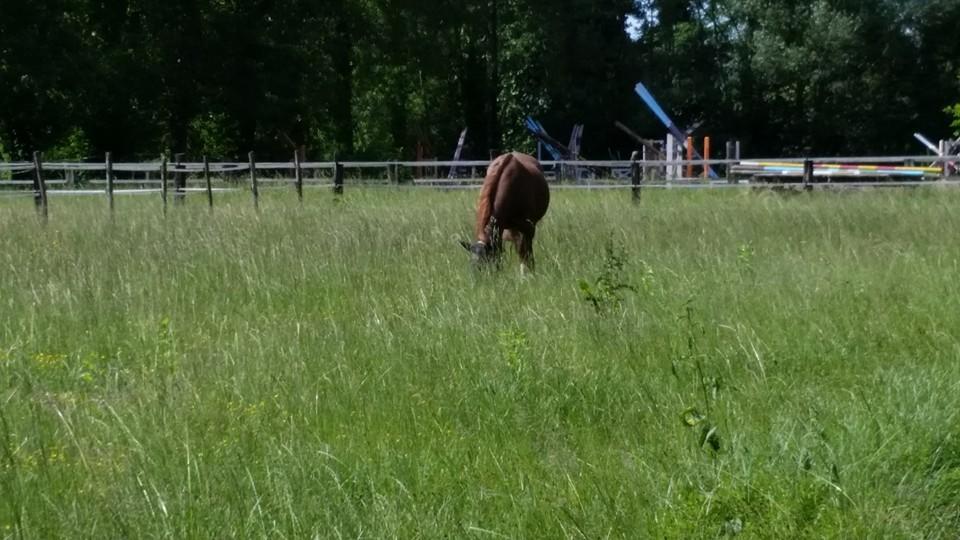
954 111
607 290
691 417
383 79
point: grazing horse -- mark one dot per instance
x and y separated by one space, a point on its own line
513 199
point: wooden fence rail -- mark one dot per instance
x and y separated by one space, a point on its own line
633 174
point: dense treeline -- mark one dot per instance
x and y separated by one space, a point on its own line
401 78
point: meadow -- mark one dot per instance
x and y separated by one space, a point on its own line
706 364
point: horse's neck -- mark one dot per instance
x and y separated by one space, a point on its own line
487 193
485 220
492 229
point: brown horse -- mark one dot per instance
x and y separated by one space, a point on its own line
513 199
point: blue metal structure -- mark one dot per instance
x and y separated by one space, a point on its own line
647 98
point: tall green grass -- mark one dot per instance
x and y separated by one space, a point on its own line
782 367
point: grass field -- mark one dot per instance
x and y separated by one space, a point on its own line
784 367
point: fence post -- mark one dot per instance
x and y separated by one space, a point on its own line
298 175
670 170
635 176
943 152
39 186
392 174
729 166
206 181
179 181
253 181
643 158
163 181
706 157
337 178
689 168
109 168
807 174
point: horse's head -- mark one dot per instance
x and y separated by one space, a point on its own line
485 251
481 253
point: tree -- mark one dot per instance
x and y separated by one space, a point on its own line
793 78
385 79
37 71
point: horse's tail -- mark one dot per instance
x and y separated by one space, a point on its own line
488 194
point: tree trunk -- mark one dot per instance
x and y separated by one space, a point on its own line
342 106
493 82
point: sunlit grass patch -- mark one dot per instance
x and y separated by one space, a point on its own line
704 364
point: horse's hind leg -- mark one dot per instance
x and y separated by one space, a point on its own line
524 243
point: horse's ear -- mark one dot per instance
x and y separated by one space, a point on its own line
466 245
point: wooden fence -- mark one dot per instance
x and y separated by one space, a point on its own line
108 179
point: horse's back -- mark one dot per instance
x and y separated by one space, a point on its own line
522 192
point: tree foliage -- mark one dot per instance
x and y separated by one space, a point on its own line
401 78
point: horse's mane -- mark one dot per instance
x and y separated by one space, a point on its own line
487 195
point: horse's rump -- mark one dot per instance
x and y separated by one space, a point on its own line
514 192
